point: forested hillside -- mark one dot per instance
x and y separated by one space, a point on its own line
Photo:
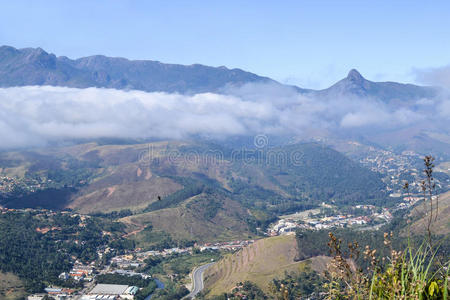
246 187
39 245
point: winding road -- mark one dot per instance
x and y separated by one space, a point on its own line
197 280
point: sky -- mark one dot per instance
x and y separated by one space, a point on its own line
311 44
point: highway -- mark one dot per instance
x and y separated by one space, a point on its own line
197 281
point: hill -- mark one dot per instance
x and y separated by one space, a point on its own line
260 263
35 66
30 66
205 218
442 224
211 191
105 178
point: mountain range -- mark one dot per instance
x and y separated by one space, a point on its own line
34 66
29 66
419 128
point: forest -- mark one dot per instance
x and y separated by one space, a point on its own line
39 245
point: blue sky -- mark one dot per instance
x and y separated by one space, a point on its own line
308 43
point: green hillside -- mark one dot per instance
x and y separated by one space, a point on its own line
210 190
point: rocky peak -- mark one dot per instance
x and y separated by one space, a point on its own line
355 76
39 57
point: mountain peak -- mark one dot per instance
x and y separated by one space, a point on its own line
354 75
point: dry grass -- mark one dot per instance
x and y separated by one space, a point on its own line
261 262
442 224
183 222
106 197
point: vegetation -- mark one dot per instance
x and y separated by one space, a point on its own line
243 290
38 246
184 264
412 273
146 291
114 214
179 265
188 191
306 284
171 291
228 196
210 208
135 280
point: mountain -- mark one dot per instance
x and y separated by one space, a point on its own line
34 66
211 197
355 84
29 66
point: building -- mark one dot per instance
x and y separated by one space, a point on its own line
130 292
53 291
112 292
64 276
36 297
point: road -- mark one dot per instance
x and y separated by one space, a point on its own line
197 280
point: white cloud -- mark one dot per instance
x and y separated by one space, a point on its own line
37 115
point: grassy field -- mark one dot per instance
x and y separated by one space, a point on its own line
260 262
11 287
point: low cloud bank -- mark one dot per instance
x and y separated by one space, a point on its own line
31 116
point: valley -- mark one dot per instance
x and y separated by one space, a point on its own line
137 179
233 191
173 206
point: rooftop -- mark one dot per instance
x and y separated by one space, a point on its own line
109 289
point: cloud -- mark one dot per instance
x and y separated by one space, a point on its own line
37 115
434 76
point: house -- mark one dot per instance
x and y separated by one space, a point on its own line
53 291
64 276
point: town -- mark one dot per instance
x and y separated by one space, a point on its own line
83 278
124 265
328 216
